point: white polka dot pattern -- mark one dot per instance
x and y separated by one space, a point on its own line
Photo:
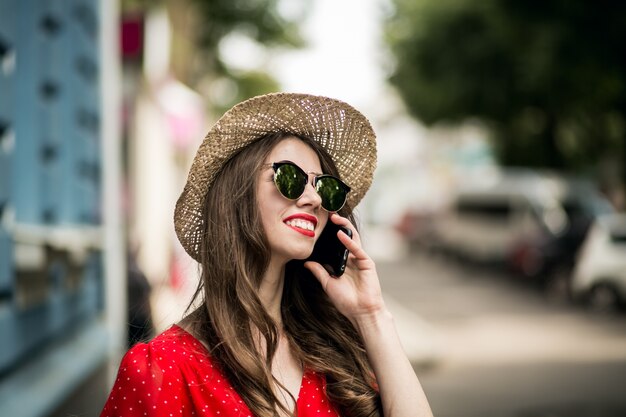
173 376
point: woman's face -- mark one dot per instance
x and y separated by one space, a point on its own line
288 223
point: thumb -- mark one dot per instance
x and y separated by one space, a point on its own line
319 272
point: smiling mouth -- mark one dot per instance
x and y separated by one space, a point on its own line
301 224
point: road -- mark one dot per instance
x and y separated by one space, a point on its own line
493 346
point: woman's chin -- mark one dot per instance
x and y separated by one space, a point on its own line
302 258
302 255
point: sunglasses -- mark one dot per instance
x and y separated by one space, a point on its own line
291 181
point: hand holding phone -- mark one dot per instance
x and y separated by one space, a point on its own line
329 251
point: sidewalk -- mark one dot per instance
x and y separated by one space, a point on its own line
421 342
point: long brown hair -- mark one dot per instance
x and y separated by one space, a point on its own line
234 256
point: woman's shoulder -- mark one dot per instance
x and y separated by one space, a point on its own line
177 341
159 374
174 349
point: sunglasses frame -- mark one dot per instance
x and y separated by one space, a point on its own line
276 165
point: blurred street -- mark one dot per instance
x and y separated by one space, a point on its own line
501 347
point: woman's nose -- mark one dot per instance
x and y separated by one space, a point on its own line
310 196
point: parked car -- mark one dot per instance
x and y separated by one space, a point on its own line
486 220
528 221
599 277
550 252
483 221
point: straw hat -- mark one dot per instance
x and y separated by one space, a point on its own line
341 130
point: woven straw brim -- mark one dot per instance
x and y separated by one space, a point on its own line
339 128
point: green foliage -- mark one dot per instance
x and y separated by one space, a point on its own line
247 84
211 21
130 6
548 76
257 19
260 21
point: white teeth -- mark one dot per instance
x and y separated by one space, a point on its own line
301 224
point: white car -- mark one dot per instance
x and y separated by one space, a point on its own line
600 274
488 222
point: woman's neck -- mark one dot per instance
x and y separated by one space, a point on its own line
271 290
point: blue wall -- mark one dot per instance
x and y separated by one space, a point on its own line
50 186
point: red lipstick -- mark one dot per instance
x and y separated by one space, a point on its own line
302 216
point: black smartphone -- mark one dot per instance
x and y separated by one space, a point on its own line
329 251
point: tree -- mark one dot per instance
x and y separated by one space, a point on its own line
260 21
547 76
200 25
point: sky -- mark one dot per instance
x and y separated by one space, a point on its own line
344 57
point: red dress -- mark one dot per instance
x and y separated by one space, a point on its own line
173 376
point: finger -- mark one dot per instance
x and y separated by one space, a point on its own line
342 221
352 245
319 272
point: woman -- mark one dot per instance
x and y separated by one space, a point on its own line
272 333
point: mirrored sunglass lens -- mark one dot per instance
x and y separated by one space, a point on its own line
332 192
290 181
